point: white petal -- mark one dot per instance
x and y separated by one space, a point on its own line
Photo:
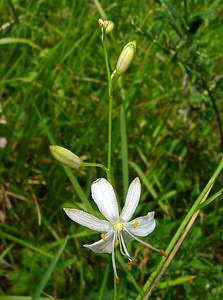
142 226
132 200
104 196
102 246
87 220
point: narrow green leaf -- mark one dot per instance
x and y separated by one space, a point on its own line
100 9
211 199
24 243
40 287
5 252
177 281
14 40
144 179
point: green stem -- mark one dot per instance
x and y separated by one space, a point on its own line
181 228
109 106
96 165
124 139
115 289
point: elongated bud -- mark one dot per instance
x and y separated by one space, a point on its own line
106 25
126 57
65 157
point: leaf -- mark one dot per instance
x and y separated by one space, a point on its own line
14 40
40 287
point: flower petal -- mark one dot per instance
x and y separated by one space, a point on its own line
142 226
87 220
132 200
102 246
105 198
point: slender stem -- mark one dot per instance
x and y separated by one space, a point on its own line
115 289
109 126
96 165
109 105
124 139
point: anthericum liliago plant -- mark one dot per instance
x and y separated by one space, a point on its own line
118 228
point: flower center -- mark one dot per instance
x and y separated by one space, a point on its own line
118 226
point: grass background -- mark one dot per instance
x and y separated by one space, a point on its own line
53 86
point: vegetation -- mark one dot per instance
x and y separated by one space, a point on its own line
166 129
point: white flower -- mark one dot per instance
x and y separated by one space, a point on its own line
118 228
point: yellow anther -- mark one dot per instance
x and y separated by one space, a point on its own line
103 236
118 226
116 243
135 224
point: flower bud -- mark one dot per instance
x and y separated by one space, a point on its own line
106 25
126 57
65 156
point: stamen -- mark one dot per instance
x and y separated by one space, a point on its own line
103 236
120 245
124 247
142 242
113 256
135 224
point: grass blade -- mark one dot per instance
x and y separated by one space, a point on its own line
40 287
14 40
144 179
24 243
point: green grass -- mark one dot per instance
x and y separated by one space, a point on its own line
166 130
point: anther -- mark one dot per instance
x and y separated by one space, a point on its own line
116 243
135 224
163 253
103 236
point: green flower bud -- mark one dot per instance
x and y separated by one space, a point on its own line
126 57
107 25
65 157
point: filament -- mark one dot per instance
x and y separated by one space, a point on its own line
113 255
142 242
124 247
